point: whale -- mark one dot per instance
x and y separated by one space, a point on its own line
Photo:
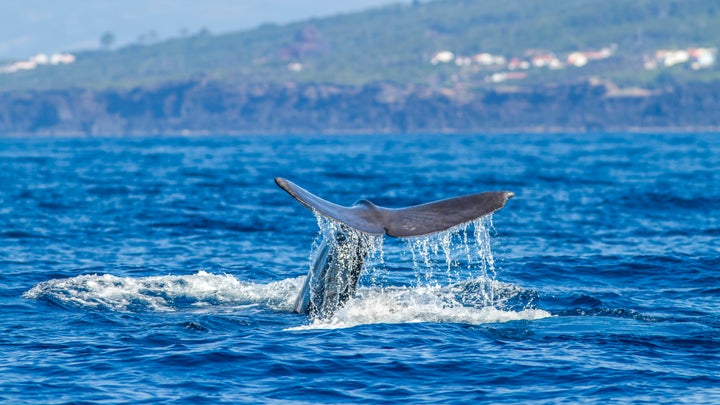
335 271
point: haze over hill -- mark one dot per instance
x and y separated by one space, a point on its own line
28 27
398 42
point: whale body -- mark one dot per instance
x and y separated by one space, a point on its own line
334 274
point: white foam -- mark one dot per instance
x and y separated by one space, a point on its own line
164 293
371 305
416 304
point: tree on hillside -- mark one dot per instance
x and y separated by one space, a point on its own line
148 37
107 40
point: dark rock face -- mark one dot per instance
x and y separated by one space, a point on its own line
200 106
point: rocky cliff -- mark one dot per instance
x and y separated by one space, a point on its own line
207 107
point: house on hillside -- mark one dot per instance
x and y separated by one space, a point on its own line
442 57
697 58
546 60
702 58
580 59
38 60
504 76
518 64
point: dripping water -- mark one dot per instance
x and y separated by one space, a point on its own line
456 265
460 256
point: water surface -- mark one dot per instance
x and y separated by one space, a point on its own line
163 270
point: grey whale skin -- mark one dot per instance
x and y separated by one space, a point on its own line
333 276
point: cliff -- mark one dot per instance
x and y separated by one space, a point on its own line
208 107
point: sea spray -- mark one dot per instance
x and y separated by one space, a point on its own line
454 280
339 255
453 257
457 255
452 271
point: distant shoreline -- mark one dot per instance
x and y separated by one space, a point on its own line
330 133
201 108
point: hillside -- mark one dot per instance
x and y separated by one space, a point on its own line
398 43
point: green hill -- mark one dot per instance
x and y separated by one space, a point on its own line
397 43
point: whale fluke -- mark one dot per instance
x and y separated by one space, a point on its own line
417 220
334 274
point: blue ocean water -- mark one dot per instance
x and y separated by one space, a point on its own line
163 270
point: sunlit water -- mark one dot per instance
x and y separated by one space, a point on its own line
166 270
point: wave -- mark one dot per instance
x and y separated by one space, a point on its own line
164 293
456 303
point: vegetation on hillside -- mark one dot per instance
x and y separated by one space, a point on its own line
396 43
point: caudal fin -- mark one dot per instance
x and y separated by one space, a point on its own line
417 220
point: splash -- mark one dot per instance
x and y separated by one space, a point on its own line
329 229
164 293
416 304
338 257
454 280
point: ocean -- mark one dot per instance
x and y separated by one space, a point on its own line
164 270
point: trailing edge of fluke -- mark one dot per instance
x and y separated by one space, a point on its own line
417 220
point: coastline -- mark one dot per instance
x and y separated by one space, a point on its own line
363 132
200 108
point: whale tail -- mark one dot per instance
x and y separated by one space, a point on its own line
417 220
334 274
